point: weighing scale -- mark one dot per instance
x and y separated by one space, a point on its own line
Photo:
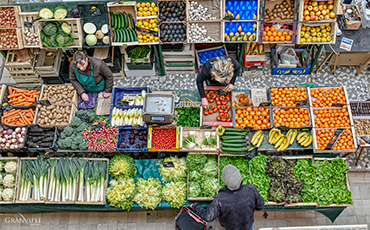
159 108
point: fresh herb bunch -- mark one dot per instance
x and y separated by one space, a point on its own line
138 52
188 116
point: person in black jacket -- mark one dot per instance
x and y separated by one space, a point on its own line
219 71
234 205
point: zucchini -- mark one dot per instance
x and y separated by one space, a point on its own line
235 149
119 19
111 19
115 20
131 21
234 130
114 36
233 138
237 141
120 35
235 145
125 19
126 38
235 152
133 35
235 134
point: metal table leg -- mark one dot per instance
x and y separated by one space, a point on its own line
360 156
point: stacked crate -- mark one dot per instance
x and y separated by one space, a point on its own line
23 72
179 62
48 66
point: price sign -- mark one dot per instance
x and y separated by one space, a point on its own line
44 102
334 139
6 107
337 105
265 104
146 31
28 24
300 103
122 103
168 164
96 127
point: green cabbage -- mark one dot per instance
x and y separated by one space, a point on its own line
175 194
121 193
176 173
194 189
148 193
91 40
50 28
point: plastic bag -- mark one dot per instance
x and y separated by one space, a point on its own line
87 104
287 54
246 100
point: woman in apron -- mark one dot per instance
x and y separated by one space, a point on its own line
219 71
90 75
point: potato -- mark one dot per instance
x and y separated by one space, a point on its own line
52 122
41 121
50 107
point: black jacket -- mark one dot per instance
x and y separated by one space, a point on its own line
234 209
205 75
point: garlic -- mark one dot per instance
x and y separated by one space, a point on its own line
31 38
199 34
197 12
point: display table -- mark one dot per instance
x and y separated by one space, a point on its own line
359 55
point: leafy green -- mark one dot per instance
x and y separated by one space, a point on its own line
148 193
121 193
196 161
195 176
122 166
176 173
210 168
138 52
210 186
175 193
194 189
188 116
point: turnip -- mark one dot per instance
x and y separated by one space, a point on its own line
18 130
23 133
9 131
20 140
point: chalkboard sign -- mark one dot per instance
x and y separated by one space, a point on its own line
6 107
168 164
28 24
265 104
334 139
337 105
44 102
122 103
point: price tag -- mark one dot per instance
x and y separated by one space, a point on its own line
136 127
96 127
284 127
146 31
300 103
28 24
48 155
122 103
334 139
206 127
222 92
265 104
337 105
6 107
248 128
44 102
168 164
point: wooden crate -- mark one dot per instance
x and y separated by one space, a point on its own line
29 17
223 31
31 193
27 78
258 11
333 32
179 62
214 9
316 150
311 99
76 30
199 139
286 108
150 138
17 177
19 39
347 107
105 186
270 5
301 12
60 126
284 27
213 31
15 66
209 49
49 63
172 42
74 98
17 11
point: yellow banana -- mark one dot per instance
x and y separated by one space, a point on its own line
279 142
300 136
255 136
278 138
307 141
283 143
272 135
289 134
260 141
303 138
293 136
260 135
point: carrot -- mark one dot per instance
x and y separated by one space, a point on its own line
31 112
10 90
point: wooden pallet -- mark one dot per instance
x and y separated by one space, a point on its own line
29 17
179 62
49 63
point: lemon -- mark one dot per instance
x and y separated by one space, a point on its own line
145 9
141 9
156 29
138 5
147 4
139 23
139 14
146 23
151 37
144 37
303 28
141 41
140 36
152 4
150 9
142 4
155 20
156 9
154 13
156 38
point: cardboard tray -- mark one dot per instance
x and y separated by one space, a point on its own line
326 88
150 138
224 7
297 107
198 138
333 32
293 37
347 107
244 107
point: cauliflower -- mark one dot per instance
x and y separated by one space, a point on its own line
9 180
10 167
1 178
1 165
7 194
1 192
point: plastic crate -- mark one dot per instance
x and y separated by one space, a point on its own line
98 21
119 92
6 93
289 71
53 80
16 152
52 148
126 138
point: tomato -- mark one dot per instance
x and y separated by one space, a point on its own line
206 112
217 98
226 114
228 119
218 118
219 106
212 107
223 119
224 102
211 100
228 107
218 102
221 110
215 110
222 97
226 111
210 111
227 98
207 95
214 96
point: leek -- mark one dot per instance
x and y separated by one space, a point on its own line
81 164
74 173
52 188
24 181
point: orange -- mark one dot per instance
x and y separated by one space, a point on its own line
264 33
269 33
272 28
282 38
276 39
279 33
238 112
290 32
274 34
272 39
267 28
285 33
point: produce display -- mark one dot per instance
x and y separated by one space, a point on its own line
187 116
345 140
254 117
203 176
53 114
22 97
287 96
318 10
148 193
135 53
240 32
164 138
326 97
41 137
60 12
124 27
145 9
133 139
234 141
59 94
282 11
199 34
362 127
197 12
221 105
325 181
12 139
172 32
292 118
194 140
7 17
32 39
277 33
241 10
253 48
56 34
331 118
149 24
9 39
18 117
316 34
122 117
8 171
104 139
172 11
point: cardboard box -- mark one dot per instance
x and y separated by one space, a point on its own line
352 25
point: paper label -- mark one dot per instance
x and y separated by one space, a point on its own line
346 44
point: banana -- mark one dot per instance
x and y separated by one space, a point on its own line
289 134
307 141
277 139
260 141
303 138
272 134
300 136
293 136
273 130
255 136
279 142
260 135
283 144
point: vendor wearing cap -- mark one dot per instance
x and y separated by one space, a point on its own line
90 75
219 71
234 205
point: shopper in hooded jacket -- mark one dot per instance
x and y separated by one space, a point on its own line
234 205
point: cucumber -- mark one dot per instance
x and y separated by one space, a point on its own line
120 21
233 149
234 130
235 134
127 38
126 19
120 36
112 18
237 141
133 35
235 145
233 138
131 21
235 152
114 36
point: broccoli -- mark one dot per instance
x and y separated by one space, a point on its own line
68 131
78 139
80 112
74 146
60 143
63 135
68 142
83 146
76 121
82 127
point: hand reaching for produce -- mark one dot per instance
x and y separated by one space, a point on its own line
205 103
229 87
85 97
106 95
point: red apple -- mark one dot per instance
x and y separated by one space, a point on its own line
330 7
315 9
321 17
314 3
327 17
332 15
321 7
318 13
312 13
310 3
313 17
321 2
307 18
310 8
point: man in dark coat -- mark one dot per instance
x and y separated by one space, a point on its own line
234 205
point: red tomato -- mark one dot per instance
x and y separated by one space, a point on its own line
206 112
228 119
218 118
217 98
215 110
207 95
222 97
226 111
211 100
218 102
227 98
226 114
224 102
212 107
219 106
221 110
223 119
228 107
210 111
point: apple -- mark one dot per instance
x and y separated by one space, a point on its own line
330 2
307 18
332 15
318 13
314 3
306 13
315 9
321 17
327 17
310 3
312 30
330 7
319 34
323 39
314 39
306 35
319 39
312 13
328 28
323 31
302 33
305 7
325 7
313 34
309 39
321 7
302 40
317 29
324 12
313 17
321 2
328 38
310 8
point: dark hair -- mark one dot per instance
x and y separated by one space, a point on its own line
79 56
